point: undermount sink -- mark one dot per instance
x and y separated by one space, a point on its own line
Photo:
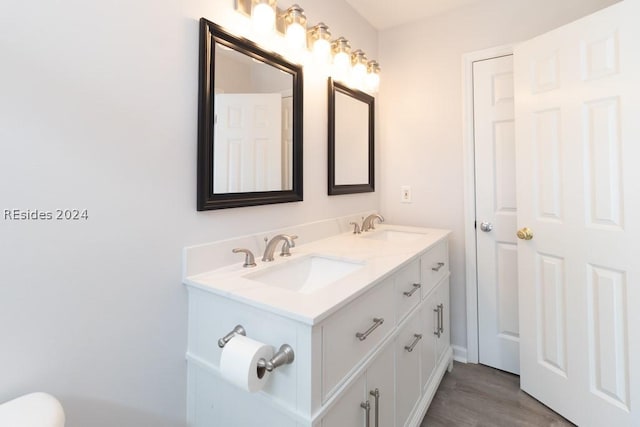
305 275
393 235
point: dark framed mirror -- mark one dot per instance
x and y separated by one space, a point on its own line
249 123
351 140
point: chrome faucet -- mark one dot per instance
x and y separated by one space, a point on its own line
368 223
271 246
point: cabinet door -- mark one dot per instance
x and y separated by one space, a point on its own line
408 368
443 342
381 377
348 411
429 319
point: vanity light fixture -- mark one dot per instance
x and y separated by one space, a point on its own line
351 69
341 59
319 38
358 69
296 28
372 82
263 16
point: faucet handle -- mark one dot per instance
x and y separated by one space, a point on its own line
249 259
356 227
286 246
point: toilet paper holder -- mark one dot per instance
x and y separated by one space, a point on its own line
238 330
284 355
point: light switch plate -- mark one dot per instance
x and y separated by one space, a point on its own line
405 194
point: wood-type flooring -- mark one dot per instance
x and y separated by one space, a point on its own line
479 396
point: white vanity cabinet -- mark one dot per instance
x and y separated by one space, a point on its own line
378 357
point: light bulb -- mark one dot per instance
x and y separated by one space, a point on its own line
296 32
296 37
341 59
359 70
372 81
358 75
320 38
341 67
322 51
263 18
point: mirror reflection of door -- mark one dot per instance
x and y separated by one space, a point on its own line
253 125
287 141
247 154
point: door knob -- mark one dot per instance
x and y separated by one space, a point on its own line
525 234
486 226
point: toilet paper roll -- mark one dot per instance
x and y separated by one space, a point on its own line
239 363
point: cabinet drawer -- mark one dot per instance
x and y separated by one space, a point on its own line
407 289
341 348
434 266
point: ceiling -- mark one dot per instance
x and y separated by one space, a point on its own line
384 14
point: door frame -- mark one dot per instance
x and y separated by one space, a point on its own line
468 151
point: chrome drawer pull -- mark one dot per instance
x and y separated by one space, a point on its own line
376 394
437 331
377 321
440 265
367 407
441 319
416 286
410 347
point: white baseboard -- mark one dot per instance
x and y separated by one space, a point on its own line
459 354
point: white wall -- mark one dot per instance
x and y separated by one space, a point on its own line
98 104
421 111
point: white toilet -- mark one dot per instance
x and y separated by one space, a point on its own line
32 410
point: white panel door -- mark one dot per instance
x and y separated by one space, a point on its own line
248 143
497 261
577 92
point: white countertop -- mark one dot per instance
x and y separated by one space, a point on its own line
379 258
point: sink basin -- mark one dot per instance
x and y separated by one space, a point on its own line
393 235
305 275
